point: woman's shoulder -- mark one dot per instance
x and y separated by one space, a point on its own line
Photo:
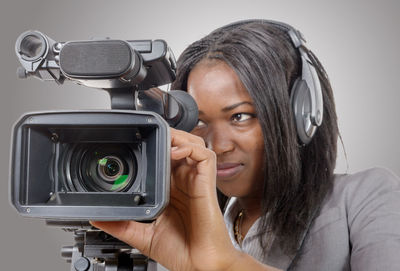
370 187
377 178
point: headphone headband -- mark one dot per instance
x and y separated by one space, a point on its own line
296 36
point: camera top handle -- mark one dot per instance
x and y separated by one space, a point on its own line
105 63
129 71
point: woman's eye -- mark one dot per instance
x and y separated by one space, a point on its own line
242 117
200 124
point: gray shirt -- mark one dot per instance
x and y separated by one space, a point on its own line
358 228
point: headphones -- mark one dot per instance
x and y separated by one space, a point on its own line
306 95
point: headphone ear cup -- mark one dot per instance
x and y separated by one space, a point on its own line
300 100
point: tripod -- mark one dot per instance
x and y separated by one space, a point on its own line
96 250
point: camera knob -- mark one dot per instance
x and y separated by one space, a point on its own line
21 73
82 264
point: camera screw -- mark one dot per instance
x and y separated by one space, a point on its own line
52 196
28 210
136 199
57 47
147 211
149 120
54 137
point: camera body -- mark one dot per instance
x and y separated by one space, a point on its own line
104 164
96 165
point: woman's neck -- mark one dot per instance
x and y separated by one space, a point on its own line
250 211
250 206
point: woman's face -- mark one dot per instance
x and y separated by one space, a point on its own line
228 125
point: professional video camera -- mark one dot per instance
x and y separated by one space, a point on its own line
70 167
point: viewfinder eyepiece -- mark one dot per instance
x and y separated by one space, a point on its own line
32 46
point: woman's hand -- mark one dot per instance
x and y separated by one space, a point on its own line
190 234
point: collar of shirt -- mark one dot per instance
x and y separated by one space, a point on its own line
250 244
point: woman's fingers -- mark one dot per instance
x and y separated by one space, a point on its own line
196 171
193 151
191 147
179 137
136 234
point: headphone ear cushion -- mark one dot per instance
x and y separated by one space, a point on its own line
300 101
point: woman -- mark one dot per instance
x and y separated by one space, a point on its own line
283 206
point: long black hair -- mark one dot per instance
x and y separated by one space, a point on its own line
297 178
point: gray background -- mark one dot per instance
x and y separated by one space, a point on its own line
357 42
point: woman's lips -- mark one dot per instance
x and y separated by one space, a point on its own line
226 170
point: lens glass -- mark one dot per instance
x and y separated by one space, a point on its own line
31 46
109 166
111 169
95 167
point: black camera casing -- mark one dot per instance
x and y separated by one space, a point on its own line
42 184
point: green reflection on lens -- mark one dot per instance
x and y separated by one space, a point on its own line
119 182
102 162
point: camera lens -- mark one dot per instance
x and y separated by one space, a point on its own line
108 173
110 167
111 170
101 168
32 46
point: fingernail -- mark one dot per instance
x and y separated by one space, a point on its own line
174 148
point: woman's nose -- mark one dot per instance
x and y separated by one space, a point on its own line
219 139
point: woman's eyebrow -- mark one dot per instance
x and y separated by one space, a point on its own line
231 107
